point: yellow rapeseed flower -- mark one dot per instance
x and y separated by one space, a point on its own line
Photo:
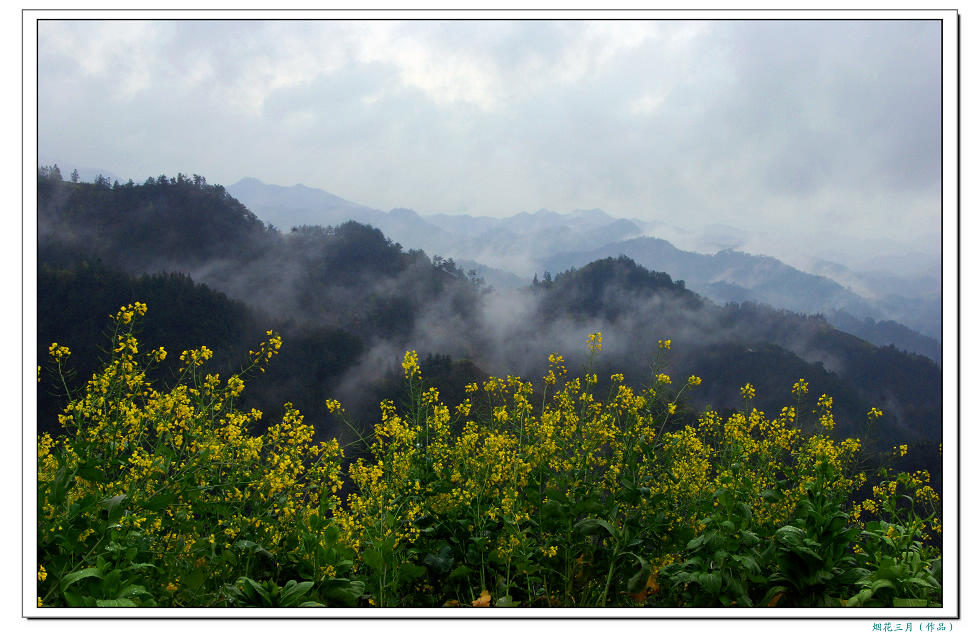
800 388
58 351
595 341
410 365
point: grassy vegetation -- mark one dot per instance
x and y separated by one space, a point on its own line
531 495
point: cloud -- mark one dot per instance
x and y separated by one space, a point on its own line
775 127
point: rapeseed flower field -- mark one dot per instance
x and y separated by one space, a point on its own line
531 494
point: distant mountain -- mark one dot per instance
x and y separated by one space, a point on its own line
732 276
288 207
728 275
509 244
914 299
517 243
298 197
529 243
494 277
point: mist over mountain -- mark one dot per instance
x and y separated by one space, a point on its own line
914 299
512 244
877 306
349 301
732 276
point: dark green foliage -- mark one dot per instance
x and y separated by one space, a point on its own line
328 290
186 220
74 302
755 343
815 563
310 365
609 288
723 565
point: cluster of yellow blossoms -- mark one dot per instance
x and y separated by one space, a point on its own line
197 482
183 461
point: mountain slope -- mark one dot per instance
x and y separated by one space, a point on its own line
528 243
350 295
731 276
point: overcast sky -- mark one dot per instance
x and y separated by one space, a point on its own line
824 129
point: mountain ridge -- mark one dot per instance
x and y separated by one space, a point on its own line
351 295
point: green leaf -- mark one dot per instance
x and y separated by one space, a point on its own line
132 590
749 537
291 593
330 533
325 505
591 526
71 578
770 496
195 578
90 471
907 602
343 590
161 501
710 582
893 572
638 581
388 546
919 582
862 598
411 571
83 505
110 583
744 511
75 600
253 547
790 534
713 541
372 557
115 603
507 602
724 497
442 561
140 566
254 592
62 479
113 510
748 562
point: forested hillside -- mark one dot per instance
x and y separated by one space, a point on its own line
348 301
